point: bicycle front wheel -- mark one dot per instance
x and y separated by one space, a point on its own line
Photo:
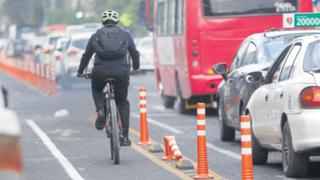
115 132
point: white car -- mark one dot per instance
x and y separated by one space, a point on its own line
71 58
285 111
145 47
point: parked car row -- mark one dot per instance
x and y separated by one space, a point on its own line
274 78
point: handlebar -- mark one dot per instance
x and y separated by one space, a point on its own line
89 75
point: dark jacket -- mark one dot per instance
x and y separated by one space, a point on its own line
121 64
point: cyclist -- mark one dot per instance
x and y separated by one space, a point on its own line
110 45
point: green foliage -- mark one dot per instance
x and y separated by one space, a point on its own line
26 12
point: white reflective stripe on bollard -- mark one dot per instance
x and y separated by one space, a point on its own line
143 101
201 122
201 133
246 151
143 110
245 125
246 138
201 111
143 94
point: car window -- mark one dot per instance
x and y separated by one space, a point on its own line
147 44
287 69
312 58
80 43
239 56
251 55
273 74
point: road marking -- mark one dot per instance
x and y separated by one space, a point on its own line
159 162
225 152
72 172
159 124
164 165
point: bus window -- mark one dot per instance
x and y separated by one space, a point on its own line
171 17
237 7
162 19
176 17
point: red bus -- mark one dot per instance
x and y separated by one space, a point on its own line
190 36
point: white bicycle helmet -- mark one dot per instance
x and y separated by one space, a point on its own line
110 15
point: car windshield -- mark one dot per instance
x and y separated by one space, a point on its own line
80 43
312 57
274 46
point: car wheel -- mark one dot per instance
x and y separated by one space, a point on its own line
259 154
181 103
226 133
294 164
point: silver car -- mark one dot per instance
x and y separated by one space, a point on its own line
285 110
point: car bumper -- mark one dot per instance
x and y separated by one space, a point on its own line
305 130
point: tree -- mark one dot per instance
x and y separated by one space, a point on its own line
24 13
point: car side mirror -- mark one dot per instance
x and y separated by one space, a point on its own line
254 77
221 69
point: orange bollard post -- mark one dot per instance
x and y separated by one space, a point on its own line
175 149
167 149
42 77
202 167
53 81
246 148
48 79
144 132
38 75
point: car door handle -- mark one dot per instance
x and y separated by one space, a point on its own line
281 95
266 98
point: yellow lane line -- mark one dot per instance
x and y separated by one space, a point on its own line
166 166
159 162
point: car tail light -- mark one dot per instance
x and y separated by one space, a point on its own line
310 97
72 53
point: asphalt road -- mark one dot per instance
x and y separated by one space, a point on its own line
69 147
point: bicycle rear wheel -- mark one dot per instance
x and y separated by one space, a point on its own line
115 132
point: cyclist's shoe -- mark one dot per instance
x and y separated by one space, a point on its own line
125 141
101 121
108 131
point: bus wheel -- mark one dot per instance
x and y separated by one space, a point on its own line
181 103
168 102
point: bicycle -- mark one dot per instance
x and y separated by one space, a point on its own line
113 125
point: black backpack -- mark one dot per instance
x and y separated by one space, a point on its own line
111 43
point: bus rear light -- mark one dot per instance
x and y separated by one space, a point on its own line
194 43
195 64
195 53
310 97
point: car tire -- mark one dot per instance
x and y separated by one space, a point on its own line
259 154
294 164
181 103
226 133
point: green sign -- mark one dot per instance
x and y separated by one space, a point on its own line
301 20
126 19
